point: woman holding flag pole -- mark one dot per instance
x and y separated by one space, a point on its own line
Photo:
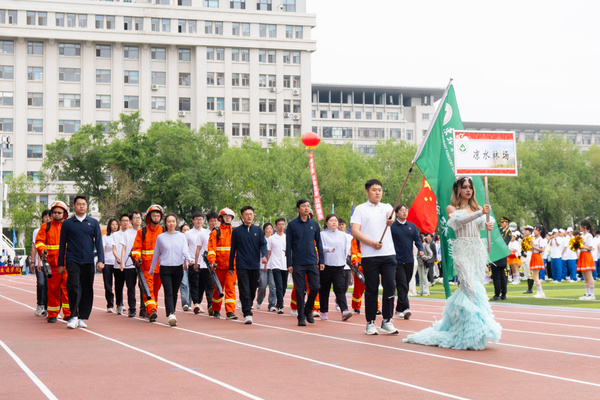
468 322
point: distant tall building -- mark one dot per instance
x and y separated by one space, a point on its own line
241 64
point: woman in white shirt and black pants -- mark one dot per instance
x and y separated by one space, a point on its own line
172 250
335 251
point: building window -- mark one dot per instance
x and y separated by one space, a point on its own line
103 50
210 78
262 80
287 130
262 105
335 114
287 81
263 5
181 25
163 2
68 100
71 20
155 25
220 54
131 102
296 106
262 30
185 55
35 125
166 25
271 56
272 130
425 116
12 17
245 79
409 134
323 114
220 104
36 48
235 104
192 26
110 22
6 98
211 3
35 151
210 103
60 19
235 29
395 133
289 5
295 57
272 31
185 104
379 115
245 130
287 106
235 54
33 176
286 57
68 126
392 116
262 56
159 103
127 23
69 74
218 27
30 17
44 200
347 114
299 32
298 130
220 79
272 80
131 77
102 101
7 153
208 27
131 52
35 99
184 79
69 49
246 105
235 129
296 81
99 21
366 149
7 72
158 53
245 55
235 79
237 4
289 31
272 105
82 20
262 130
6 124
210 53
245 29
35 73
158 78
7 47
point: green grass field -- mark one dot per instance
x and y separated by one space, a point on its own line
557 294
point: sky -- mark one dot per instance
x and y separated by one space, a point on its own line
524 61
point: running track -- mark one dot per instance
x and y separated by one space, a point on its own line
550 353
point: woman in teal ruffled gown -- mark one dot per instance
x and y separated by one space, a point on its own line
467 321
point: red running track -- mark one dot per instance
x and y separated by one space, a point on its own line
549 353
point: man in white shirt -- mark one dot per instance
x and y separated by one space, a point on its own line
569 258
556 248
126 263
119 275
276 260
378 255
192 273
204 283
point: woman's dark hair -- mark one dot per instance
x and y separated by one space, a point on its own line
267 224
587 225
329 216
171 215
181 227
541 229
108 228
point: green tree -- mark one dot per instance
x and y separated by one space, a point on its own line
23 210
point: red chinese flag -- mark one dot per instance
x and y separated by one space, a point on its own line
423 212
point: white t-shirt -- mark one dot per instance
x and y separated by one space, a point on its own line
127 240
202 242
276 244
107 243
556 247
192 240
515 248
117 246
372 220
568 254
595 244
348 247
36 260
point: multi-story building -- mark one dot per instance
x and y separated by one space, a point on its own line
364 115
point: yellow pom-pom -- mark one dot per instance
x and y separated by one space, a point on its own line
576 243
526 243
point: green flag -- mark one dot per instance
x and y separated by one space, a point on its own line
435 159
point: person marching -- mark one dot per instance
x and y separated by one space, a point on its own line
347 269
248 253
266 278
569 258
527 233
171 251
334 245
109 268
192 236
185 282
585 263
498 267
127 264
201 283
555 244
276 260
537 264
219 247
514 258
359 288
40 276
143 250
47 245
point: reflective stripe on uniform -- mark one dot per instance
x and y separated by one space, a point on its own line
149 302
53 308
136 253
229 300
356 300
211 253
39 245
294 302
50 247
223 248
147 251
220 299
65 305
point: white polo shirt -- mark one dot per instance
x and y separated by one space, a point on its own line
192 240
556 247
276 245
568 254
202 242
372 219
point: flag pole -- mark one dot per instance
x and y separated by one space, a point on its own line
419 150
487 217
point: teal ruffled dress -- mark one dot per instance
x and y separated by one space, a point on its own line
467 321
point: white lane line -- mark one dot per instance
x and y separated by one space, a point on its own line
174 364
47 392
549 350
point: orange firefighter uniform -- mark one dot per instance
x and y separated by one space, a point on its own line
49 240
219 246
359 288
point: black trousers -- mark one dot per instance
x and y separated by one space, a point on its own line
171 277
107 277
302 274
119 283
80 288
200 284
499 278
281 277
404 273
336 276
247 285
130 277
373 267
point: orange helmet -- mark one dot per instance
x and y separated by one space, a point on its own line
226 211
154 207
62 205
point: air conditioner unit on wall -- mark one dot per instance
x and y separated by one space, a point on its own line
182 113
220 113
296 117
154 87
286 115
296 92
273 89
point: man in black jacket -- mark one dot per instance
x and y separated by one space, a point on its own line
404 234
304 252
248 244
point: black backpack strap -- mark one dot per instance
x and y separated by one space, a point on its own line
48 225
144 230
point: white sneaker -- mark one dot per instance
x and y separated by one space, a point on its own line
399 315
38 311
280 311
119 310
591 297
273 309
109 310
186 308
316 314
371 329
337 308
258 305
44 312
248 320
171 320
73 323
294 313
388 327
584 297
82 324
515 282
539 295
406 314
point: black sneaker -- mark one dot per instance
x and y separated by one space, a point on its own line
217 314
52 320
152 316
356 311
131 314
309 318
378 312
503 297
302 322
231 315
495 298
143 313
